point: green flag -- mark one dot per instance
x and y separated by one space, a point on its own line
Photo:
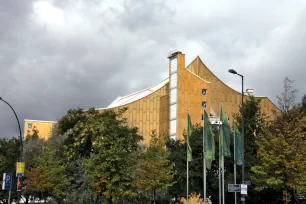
209 142
238 152
189 132
225 133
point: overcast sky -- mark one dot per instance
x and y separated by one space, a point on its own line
62 54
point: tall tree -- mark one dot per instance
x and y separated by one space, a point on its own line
112 167
255 123
282 156
81 128
178 157
282 149
9 154
156 170
287 98
48 175
32 148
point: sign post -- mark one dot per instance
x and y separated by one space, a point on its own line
7 184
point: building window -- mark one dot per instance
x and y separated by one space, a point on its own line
29 125
204 104
173 96
204 92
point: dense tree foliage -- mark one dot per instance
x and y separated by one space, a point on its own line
156 170
282 150
112 169
9 155
48 175
96 157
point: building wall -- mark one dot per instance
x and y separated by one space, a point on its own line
221 92
149 113
44 128
190 97
153 111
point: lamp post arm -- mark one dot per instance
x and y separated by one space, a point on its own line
20 138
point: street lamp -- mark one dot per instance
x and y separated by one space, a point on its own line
249 91
21 142
242 130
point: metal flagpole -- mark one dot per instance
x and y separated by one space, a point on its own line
222 156
204 160
9 198
187 158
235 163
220 190
187 182
223 199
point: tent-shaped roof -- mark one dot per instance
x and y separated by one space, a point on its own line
120 101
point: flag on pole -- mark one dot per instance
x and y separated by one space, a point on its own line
225 130
189 132
209 144
238 153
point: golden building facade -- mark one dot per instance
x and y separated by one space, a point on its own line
44 128
163 107
190 89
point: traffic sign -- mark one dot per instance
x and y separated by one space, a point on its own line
244 189
234 188
7 181
20 169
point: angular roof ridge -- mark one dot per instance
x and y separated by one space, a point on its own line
127 99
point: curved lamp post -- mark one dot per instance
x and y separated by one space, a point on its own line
20 137
242 130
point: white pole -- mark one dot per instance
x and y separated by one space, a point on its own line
223 199
187 182
220 197
220 190
204 160
235 165
187 159
9 198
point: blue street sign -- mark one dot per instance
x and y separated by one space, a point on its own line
7 181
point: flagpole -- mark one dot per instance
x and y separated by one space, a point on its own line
235 163
187 159
204 160
187 181
223 197
220 190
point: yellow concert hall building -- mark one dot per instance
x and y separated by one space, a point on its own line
163 107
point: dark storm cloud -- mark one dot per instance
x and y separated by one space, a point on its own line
56 54
51 64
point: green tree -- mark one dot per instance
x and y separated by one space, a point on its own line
282 155
179 155
80 127
156 170
9 155
48 175
286 100
282 149
111 169
32 148
304 104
